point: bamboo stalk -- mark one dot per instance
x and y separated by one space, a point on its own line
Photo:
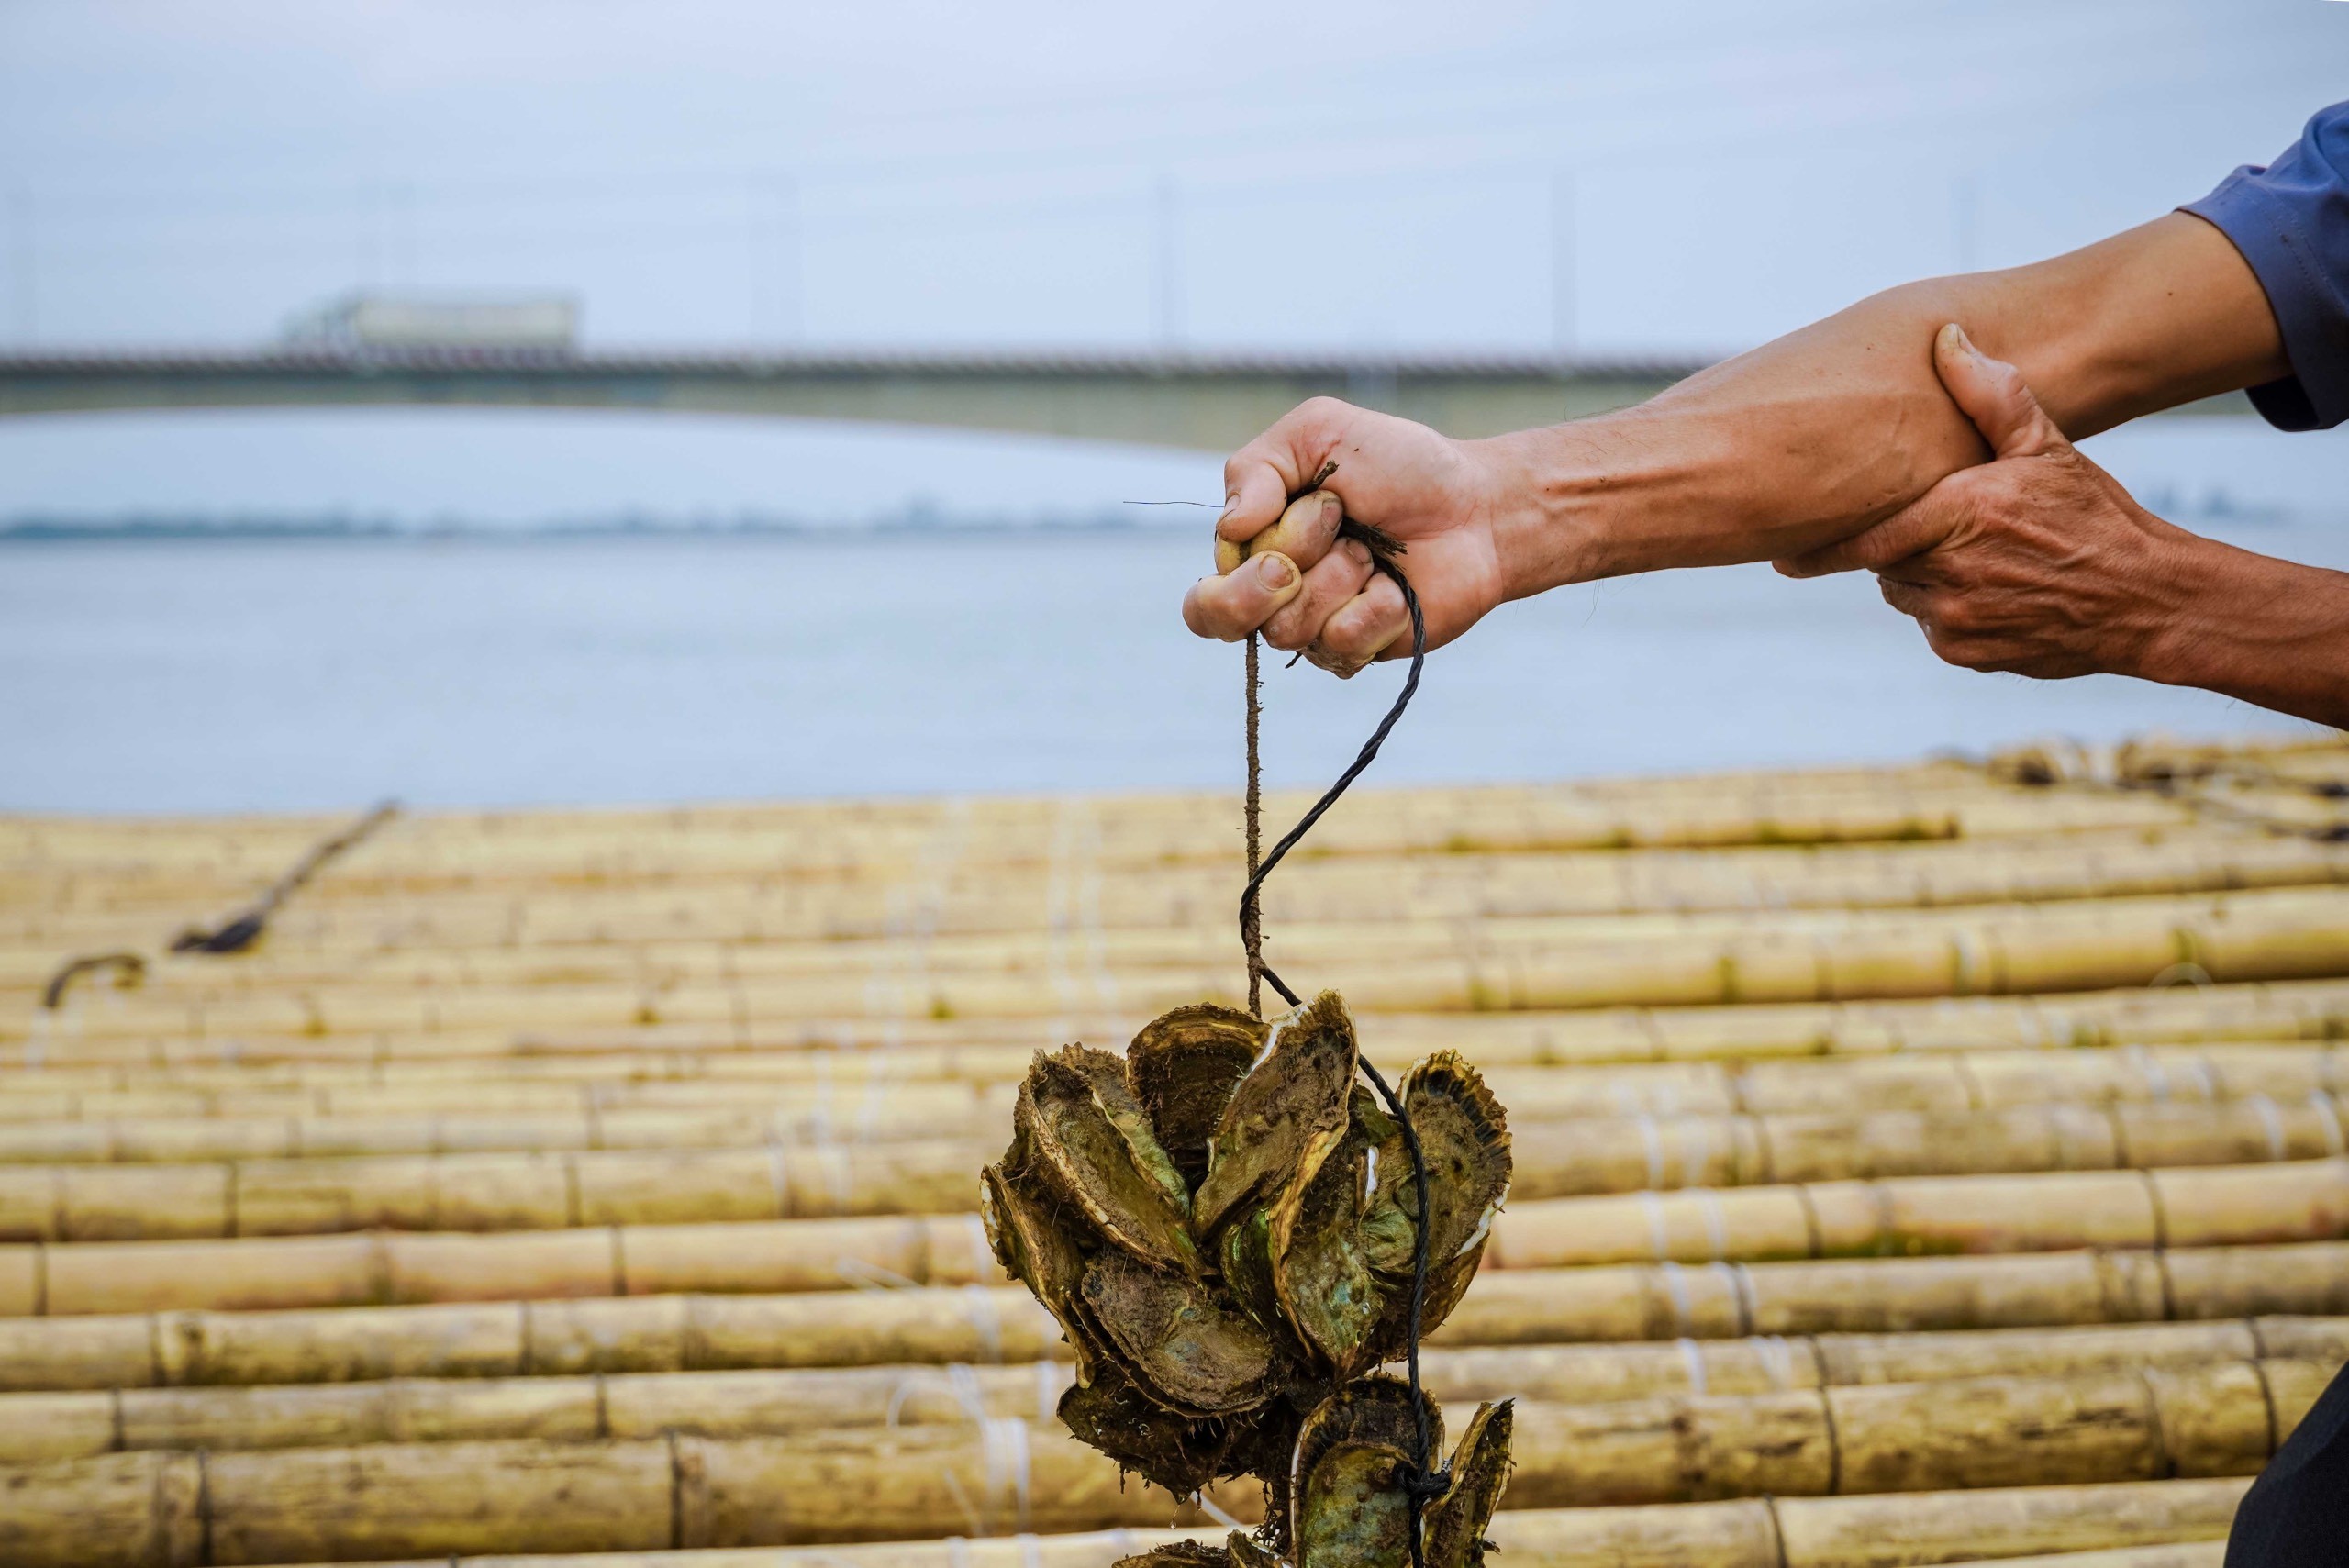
661 1333
1603 1306
39 1278
1897 1294
636 1100
40 1427
2210 1553
2291 1010
2219 1206
349 925
631 1493
1994 949
1715 1535
124 1510
673 1333
2142 1425
765 1181
1078 1549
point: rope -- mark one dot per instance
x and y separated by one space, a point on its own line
246 929
1251 924
236 935
133 967
1418 1482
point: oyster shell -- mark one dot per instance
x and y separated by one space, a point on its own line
1176 1554
1090 1140
1463 1136
1452 1529
1320 1274
1223 1224
1036 1248
1246 1256
1296 1089
1246 1552
1179 1343
1183 1067
1346 1509
1166 1449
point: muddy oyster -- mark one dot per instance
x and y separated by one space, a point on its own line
1224 1222
1091 1142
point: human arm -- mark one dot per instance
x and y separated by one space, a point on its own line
1800 443
2039 562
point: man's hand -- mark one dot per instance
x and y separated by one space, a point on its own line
2036 562
1282 569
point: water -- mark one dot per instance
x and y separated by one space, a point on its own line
225 676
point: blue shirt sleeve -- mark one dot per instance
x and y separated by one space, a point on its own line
2291 220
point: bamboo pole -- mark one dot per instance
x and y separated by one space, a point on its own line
351 925
456 1498
644 1099
1077 1548
2307 1200
2167 1103
38 1278
1994 949
1557 1536
2210 1553
1550 1308
1896 1295
2219 1206
1490 916
41 1427
485 1192
2301 1010
773 1179
2142 1425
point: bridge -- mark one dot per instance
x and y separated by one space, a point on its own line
1204 402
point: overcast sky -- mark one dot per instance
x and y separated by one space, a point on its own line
1615 178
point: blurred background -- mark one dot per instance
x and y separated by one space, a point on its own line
309 605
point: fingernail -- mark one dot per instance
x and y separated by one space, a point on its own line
1959 340
1332 509
1276 572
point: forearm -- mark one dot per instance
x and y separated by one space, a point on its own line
1812 437
2267 631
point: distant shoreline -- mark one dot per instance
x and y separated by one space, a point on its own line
166 530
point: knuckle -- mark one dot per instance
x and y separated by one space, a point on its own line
1286 632
1346 640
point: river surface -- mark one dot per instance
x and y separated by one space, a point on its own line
267 676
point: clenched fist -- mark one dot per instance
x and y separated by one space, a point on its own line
1281 568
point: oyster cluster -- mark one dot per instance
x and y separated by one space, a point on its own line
1224 1222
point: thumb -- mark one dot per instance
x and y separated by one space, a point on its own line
1912 530
1994 395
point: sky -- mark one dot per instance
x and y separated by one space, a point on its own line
1666 177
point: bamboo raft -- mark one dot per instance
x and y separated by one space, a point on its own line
1913 1166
